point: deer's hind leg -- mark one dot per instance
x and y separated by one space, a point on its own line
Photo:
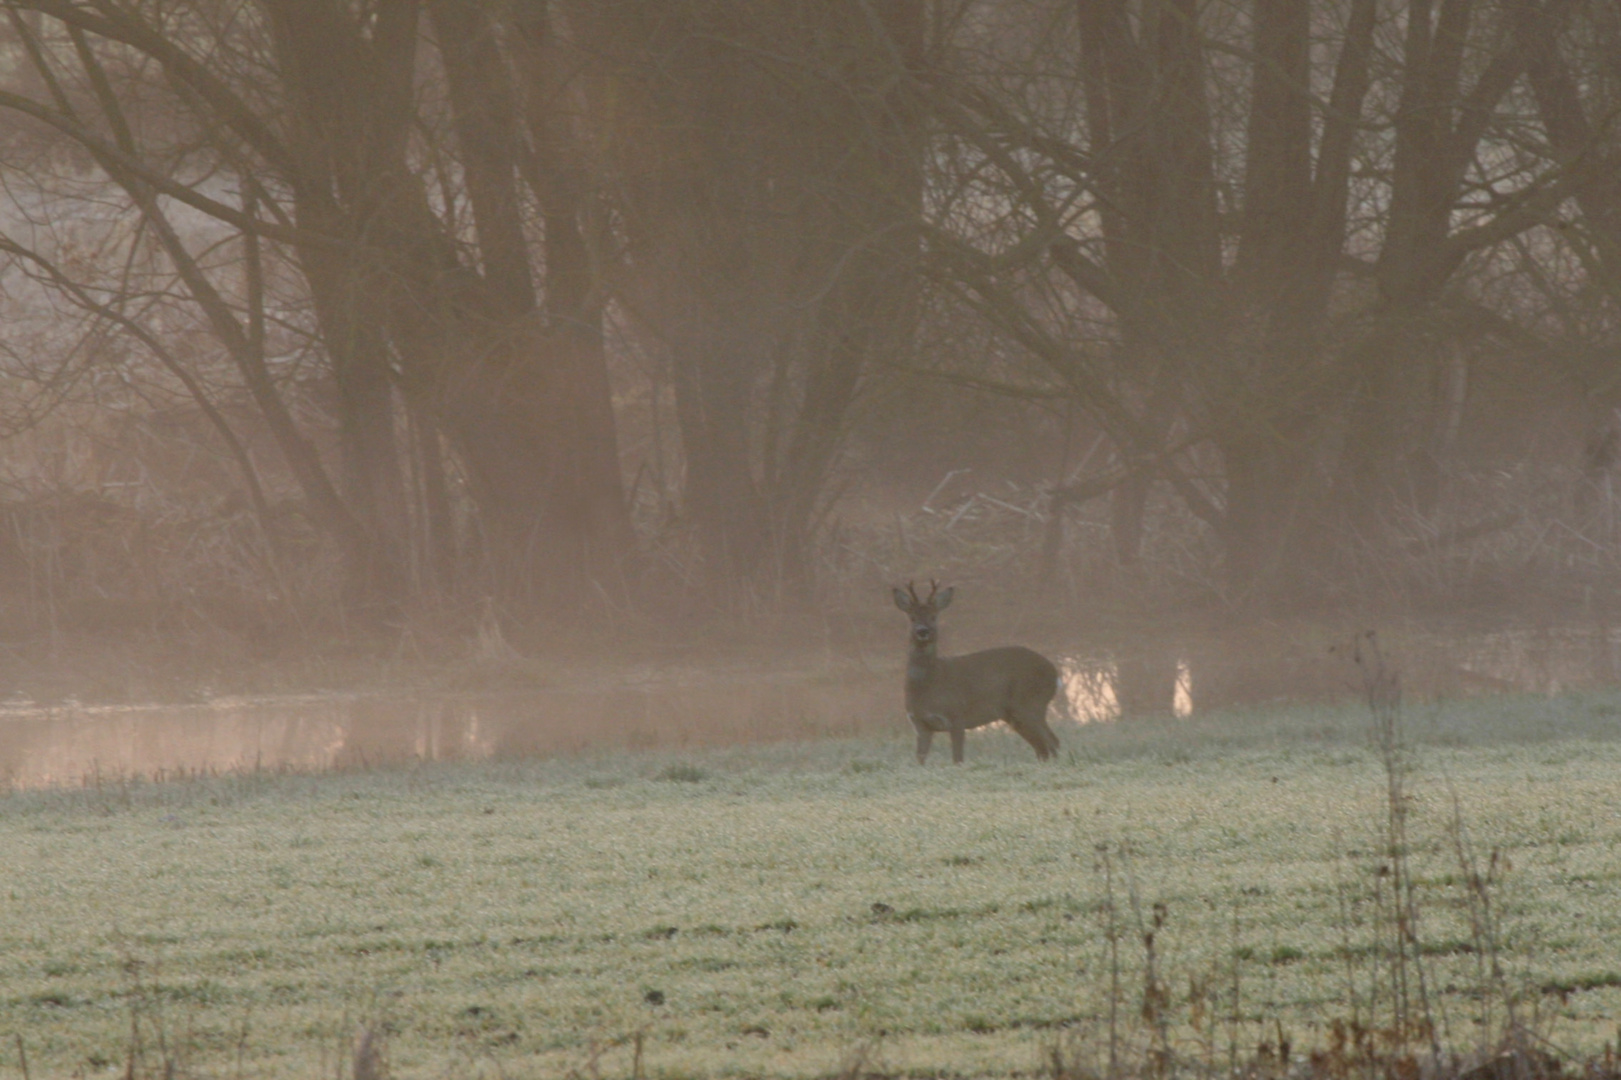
1033 729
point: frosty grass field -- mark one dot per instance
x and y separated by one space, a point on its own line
772 909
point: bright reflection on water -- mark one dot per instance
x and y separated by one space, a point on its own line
1093 689
672 708
1282 665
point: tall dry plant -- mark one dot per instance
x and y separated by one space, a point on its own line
1411 1015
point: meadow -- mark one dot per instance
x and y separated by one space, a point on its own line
787 909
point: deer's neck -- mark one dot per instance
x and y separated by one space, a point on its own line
922 663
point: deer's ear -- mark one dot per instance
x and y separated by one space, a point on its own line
944 599
903 601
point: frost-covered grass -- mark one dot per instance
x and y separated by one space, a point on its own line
770 909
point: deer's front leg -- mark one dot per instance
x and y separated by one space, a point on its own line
925 736
958 737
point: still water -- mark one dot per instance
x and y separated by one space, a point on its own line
72 744
76 744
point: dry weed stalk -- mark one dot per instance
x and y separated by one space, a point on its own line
370 1059
1412 1016
1388 1044
1395 1029
152 1051
1153 1005
597 1049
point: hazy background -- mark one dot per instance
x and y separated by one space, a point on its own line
427 327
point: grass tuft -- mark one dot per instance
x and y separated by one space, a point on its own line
682 773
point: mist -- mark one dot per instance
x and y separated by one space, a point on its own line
472 348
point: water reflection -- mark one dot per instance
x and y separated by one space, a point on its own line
1098 691
1187 676
73 745
1209 673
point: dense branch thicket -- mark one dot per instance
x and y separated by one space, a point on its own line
576 304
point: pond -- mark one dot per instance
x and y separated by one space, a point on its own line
69 743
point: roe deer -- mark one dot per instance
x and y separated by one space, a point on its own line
955 693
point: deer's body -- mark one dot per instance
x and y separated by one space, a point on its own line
956 693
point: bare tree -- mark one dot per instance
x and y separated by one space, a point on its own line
312 108
767 162
1219 250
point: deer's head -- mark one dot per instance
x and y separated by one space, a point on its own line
924 611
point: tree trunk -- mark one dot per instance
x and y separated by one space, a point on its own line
772 196
527 404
